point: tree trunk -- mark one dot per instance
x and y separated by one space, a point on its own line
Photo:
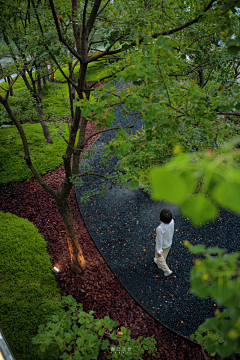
73 79
9 82
201 77
78 263
40 113
44 125
47 73
44 78
52 74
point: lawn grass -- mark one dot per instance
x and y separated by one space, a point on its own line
44 156
55 97
94 70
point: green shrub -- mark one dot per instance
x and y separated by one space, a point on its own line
23 106
26 281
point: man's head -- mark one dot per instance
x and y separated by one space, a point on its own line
166 216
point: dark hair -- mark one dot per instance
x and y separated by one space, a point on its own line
166 216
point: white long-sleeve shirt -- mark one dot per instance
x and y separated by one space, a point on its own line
164 236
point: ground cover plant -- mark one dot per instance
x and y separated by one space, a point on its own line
25 266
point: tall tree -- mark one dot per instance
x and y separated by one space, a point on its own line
12 29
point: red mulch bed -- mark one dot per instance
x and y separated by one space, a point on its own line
97 288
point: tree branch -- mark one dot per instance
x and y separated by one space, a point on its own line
84 16
154 36
228 113
93 15
103 8
70 48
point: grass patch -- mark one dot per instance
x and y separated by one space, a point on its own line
44 156
94 70
26 281
55 96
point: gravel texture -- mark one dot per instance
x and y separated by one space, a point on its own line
123 227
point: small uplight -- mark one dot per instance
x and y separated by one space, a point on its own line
55 270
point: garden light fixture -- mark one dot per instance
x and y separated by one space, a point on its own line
55 270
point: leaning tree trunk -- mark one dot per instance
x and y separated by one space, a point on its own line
40 113
44 124
36 96
78 263
9 82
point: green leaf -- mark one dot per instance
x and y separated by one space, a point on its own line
190 179
202 328
55 318
86 112
134 184
101 332
126 177
167 185
227 195
215 179
80 342
197 249
161 40
221 292
215 250
198 287
105 344
68 337
99 126
178 161
199 209
172 61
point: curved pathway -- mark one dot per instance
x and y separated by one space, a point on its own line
123 227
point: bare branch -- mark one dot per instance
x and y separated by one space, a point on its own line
3 88
103 8
234 113
59 67
15 79
70 48
164 84
204 355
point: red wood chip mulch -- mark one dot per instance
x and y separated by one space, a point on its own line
97 288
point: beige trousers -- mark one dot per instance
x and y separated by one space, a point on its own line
161 261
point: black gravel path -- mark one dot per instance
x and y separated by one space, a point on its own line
123 226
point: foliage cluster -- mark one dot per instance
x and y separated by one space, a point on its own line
218 276
62 336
